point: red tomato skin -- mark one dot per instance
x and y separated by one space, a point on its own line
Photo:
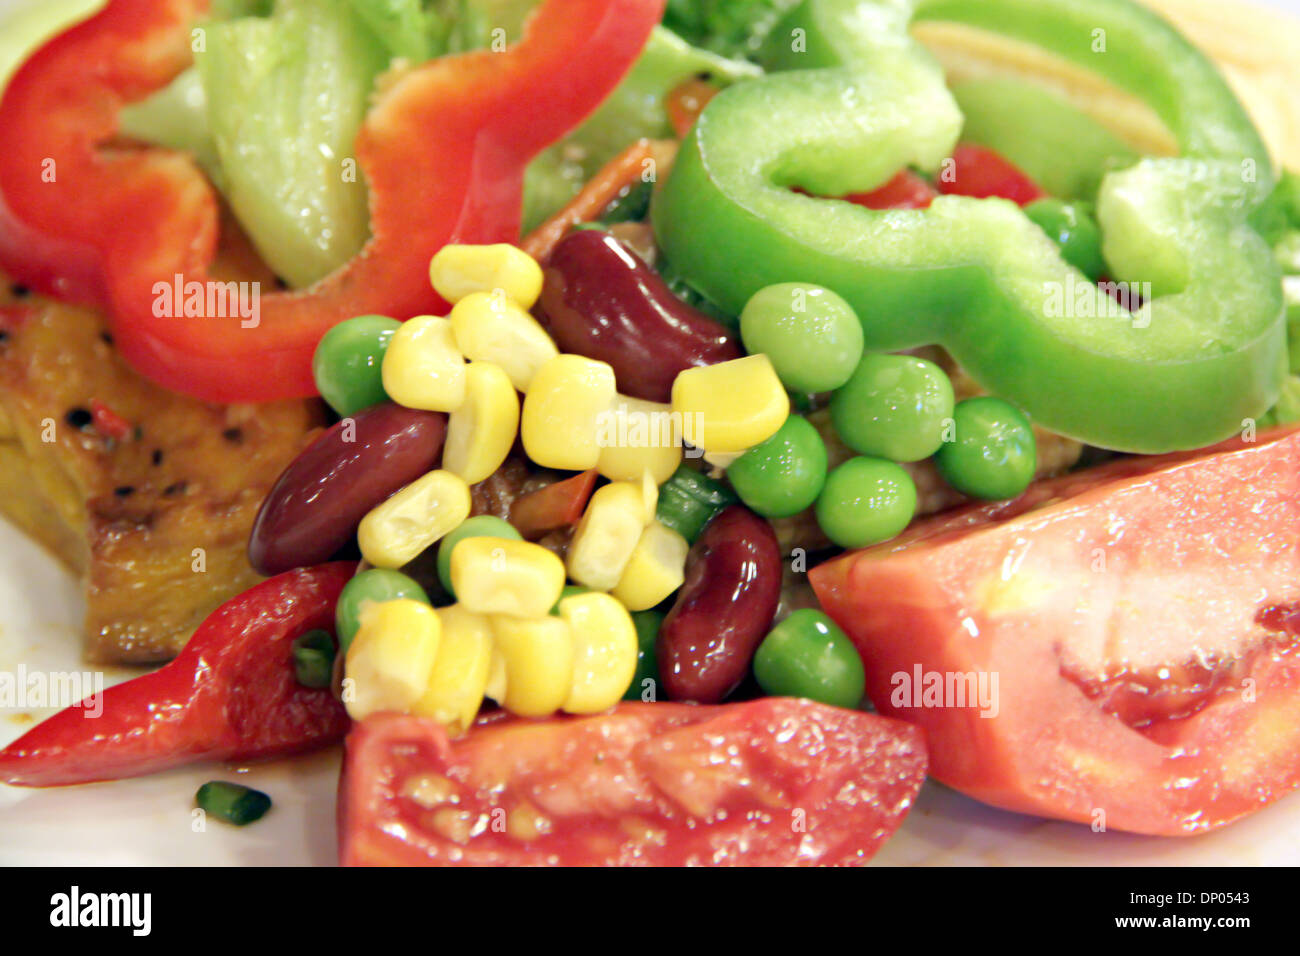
907 190
1050 750
983 174
632 787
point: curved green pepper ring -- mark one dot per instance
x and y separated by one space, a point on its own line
856 98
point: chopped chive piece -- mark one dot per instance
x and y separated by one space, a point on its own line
313 658
232 802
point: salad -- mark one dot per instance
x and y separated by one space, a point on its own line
667 434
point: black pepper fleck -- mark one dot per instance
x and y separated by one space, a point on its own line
157 456
124 491
79 418
233 435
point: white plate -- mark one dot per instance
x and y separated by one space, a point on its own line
149 821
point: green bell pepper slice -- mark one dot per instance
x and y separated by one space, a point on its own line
856 98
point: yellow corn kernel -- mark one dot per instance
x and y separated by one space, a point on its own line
496 684
500 576
481 432
657 568
423 368
604 652
649 496
637 436
538 656
607 535
459 271
396 531
562 411
460 672
491 328
389 660
731 406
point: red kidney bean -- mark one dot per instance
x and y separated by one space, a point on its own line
603 302
316 504
724 610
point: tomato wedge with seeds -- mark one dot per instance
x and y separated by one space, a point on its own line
771 782
1140 619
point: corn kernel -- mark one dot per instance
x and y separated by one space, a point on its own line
460 671
731 406
481 432
649 496
538 656
496 683
637 436
389 660
562 409
657 568
423 368
500 576
397 530
604 651
493 329
459 271
607 535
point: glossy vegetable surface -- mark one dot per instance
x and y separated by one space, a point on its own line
603 302
232 694
314 508
1116 646
766 783
733 585
975 275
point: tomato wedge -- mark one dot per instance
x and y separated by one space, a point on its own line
1135 624
771 782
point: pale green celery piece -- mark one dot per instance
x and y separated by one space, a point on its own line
636 109
176 117
1059 146
286 96
405 27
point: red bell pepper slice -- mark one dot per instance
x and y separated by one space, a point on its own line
443 151
538 513
231 695
983 174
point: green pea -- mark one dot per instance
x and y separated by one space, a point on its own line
1071 227
647 662
807 655
894 406
994 455
783 475
375 585
812 336
348 360
866 501
480 526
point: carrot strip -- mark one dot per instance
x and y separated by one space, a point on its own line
619 173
